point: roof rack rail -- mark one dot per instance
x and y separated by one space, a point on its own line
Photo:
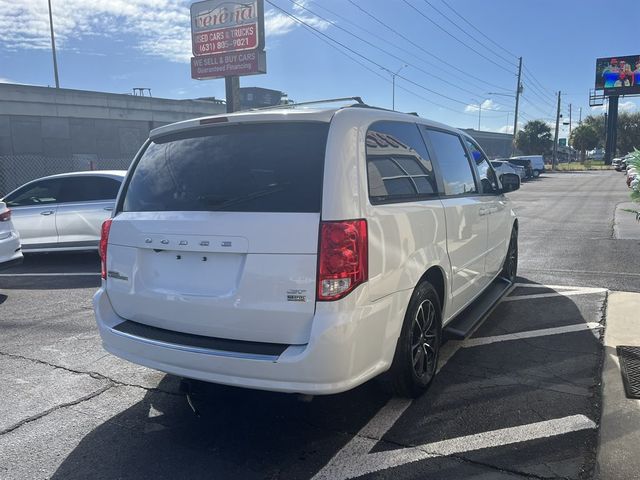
315 102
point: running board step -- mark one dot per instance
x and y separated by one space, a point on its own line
466 322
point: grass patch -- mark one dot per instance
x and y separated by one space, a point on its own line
579 166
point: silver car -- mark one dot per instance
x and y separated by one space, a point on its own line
64 212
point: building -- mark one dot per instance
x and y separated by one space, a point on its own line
45 130
494 144
256 97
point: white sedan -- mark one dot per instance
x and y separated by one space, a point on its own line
64 212
10 252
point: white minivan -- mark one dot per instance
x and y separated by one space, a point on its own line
304 250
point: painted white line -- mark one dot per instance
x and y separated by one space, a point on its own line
355 460
474 342
588 272
63 274
567 293
553 287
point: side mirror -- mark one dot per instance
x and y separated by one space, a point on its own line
510 182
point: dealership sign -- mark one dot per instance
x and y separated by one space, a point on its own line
227 38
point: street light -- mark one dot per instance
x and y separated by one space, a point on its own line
479 112
393 83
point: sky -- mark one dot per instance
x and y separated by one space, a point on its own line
450 56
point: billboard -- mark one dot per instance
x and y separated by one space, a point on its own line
227 38
618 75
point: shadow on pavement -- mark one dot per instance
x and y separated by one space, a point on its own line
252 434
59 272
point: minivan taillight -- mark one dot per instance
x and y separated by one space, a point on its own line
5 216
104 239
342 258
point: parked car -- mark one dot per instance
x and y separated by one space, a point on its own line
524 163
10 252
617 164
505 167
314 251
64 212
537 163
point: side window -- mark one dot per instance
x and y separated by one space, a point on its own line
488 177
398 164
452 162
38 193
88 189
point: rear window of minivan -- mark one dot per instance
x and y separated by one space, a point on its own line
269 167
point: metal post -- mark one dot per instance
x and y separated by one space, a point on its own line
479 114
580 117
555 140
515 116
232 93
612 130
393 93
53 47
569 122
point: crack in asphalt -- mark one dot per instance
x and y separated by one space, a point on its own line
95 375
111 383
40 415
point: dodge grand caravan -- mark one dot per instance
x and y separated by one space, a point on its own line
304 250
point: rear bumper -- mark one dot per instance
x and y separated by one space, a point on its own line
10 253
348 345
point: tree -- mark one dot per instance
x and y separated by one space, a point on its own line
535 138
584 137
628 132
597 122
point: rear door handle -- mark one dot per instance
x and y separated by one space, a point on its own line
47 212
108 209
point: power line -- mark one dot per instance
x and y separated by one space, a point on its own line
468 34
422 59
404 37
456 38
403 60
327 37
549 91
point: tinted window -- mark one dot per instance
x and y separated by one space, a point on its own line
38 193
274 167
488 178
398 164
88 188
453 162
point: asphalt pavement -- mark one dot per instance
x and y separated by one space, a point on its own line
520 399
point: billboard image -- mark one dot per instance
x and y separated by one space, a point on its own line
618 75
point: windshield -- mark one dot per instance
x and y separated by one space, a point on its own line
274 167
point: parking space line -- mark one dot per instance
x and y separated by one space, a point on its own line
474 342
61 274
355 460
565 293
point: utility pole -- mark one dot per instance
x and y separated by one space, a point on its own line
569 121
479 114
53 47
555 140
580 117
515 116
393 87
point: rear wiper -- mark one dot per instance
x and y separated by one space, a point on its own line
245 198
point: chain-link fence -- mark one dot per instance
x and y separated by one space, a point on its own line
16 170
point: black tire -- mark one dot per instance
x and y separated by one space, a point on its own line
510 266
536 173
420 338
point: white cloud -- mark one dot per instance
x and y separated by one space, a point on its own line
487 104
158 27
624 106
